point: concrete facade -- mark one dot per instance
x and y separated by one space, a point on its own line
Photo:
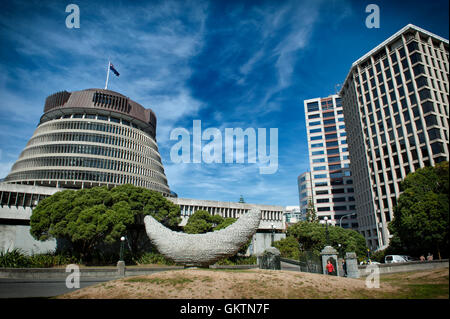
16 205
18 236
396 109
271 215
262 241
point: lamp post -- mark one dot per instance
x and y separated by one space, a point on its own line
122 242
340 250
272 233
326 230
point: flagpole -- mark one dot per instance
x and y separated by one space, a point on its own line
107 76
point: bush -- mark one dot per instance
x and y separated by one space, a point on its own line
16 258
154 258
288 247
313 237
238 260
378 256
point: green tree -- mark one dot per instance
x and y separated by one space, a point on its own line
313 238
89 217
421 216
288 247
311 215
202 222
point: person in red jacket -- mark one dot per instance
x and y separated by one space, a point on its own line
330 268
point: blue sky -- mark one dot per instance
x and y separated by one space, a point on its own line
247 64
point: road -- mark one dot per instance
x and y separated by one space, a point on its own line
45 288
40 288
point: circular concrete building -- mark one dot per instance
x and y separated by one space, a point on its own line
90 138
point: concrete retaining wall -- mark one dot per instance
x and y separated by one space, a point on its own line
405 267
60 273
107 272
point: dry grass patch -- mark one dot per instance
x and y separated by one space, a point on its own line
261 284
204 283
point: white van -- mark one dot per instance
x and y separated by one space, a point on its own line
394 259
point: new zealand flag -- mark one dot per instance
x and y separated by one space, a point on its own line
111 67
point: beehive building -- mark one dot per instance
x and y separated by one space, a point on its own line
91 138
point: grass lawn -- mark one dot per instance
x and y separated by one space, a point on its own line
420 285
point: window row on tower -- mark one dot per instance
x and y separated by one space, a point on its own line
100 163
117 153
111 128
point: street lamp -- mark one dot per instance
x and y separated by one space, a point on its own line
122 242
340 251
272 233
326 230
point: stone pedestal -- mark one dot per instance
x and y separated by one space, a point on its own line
329 253
121 268
270 259
352 265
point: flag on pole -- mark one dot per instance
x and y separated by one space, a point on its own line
111 67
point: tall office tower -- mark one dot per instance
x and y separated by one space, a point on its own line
331 180
305 191
89 138
396 105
